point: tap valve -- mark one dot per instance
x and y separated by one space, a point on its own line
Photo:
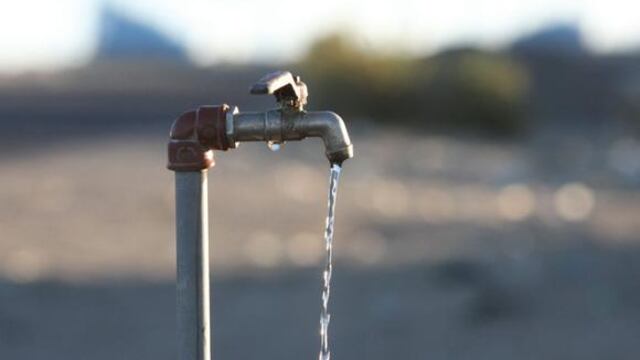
197 132
290 92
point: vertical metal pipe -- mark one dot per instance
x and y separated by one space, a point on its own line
192 265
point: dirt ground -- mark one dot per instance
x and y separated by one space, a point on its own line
446 249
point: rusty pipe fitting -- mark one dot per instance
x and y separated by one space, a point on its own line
194 135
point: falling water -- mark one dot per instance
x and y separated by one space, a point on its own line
325 317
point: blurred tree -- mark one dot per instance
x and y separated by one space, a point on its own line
464 89
478 90
358 82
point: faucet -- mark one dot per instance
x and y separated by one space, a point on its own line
193 137
197 132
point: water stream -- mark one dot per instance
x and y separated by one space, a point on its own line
325 317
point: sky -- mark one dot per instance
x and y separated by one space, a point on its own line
45 35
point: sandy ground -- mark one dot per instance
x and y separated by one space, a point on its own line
446 249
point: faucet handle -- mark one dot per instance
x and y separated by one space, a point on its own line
289 90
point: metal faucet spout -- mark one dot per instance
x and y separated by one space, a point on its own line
278 126
331 128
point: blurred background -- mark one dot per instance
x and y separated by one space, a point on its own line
491 211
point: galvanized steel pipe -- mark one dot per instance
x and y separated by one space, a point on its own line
192 248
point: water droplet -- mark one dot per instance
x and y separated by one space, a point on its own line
273 146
